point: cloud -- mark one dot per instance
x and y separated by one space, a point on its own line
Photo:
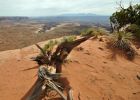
56 7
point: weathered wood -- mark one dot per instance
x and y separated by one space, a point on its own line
55 60
63 51
70 94
52 85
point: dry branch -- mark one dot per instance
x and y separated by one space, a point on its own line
56 59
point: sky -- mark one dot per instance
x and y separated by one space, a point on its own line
59 7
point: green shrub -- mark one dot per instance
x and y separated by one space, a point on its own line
135 29
99 32
93 32
87 32
68 38
122 41
124 16
49 46
51 43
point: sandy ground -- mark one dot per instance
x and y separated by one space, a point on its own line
93 73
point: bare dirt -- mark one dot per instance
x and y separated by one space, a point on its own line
93 73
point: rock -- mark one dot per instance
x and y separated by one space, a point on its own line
101 40
18 60
101 48
104 62
79 48
134 93
87 52
138 76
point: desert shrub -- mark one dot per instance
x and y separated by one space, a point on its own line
49 46
122 41
68 38
135 29
100 32
51 43
87 32
124 16
93 32
46 52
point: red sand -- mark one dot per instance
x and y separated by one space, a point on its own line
93 73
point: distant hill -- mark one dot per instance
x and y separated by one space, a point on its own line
13 18
78 17
82 18
79 14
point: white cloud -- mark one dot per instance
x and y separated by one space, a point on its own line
55 7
